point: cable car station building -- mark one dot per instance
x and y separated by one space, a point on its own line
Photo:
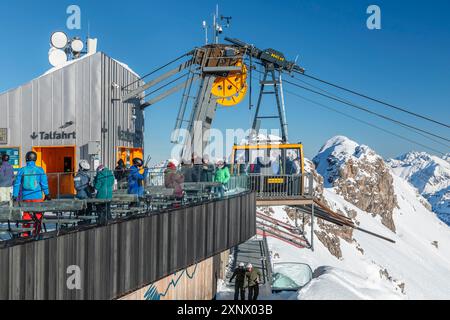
73 113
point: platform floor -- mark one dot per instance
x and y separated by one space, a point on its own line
280 201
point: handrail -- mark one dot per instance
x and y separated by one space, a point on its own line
282 186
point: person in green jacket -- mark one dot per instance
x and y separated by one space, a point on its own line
254 278
222 175
104 183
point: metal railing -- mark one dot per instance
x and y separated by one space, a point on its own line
282 186
66 212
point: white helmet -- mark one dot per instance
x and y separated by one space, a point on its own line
249 266
84 165
241 265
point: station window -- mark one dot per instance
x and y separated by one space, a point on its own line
128 154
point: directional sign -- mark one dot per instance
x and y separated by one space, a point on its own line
3 135
53 135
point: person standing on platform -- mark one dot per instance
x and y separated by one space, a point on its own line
186 170
174 180
84 189
207 170
136 179
31 182
82 181
104 184
120 173
222 176
6 179
240 284
254 277
197 169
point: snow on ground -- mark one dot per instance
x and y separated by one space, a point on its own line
227 293
67 63
413 264
337 284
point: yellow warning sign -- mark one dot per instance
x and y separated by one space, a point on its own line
275 180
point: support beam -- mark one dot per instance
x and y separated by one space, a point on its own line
312 227
135 93
167 93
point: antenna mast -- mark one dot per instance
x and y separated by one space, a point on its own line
217 26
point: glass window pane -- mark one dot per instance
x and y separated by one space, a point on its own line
291 276
293 161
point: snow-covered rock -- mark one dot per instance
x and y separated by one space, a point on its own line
360 175
446 157
430 175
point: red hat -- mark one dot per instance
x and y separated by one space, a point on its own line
171 165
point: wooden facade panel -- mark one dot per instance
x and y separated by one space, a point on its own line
196 282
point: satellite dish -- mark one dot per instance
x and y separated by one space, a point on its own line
57 57
59 40
77 45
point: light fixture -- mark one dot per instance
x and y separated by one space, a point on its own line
63 48
59 40
67 124
77 45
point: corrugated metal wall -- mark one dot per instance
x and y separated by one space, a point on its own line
81 92
115 113
124 257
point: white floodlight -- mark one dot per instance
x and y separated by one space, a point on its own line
77 45
59 40
57 57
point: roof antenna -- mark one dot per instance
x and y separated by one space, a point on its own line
217 26
205 27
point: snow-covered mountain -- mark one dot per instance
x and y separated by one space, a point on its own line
350 264
430 175
360 175
446 157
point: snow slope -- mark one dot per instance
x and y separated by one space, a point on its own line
413 264
417 266
430 175
337 284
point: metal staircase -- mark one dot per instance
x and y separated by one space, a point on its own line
271 227
256 252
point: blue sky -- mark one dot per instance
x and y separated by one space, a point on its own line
407 62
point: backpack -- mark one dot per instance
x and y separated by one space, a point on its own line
30 178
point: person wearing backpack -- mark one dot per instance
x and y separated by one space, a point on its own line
31 182
136 179
82 181
104 184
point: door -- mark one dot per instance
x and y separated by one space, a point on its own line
59 164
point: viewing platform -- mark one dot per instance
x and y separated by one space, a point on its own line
142 243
